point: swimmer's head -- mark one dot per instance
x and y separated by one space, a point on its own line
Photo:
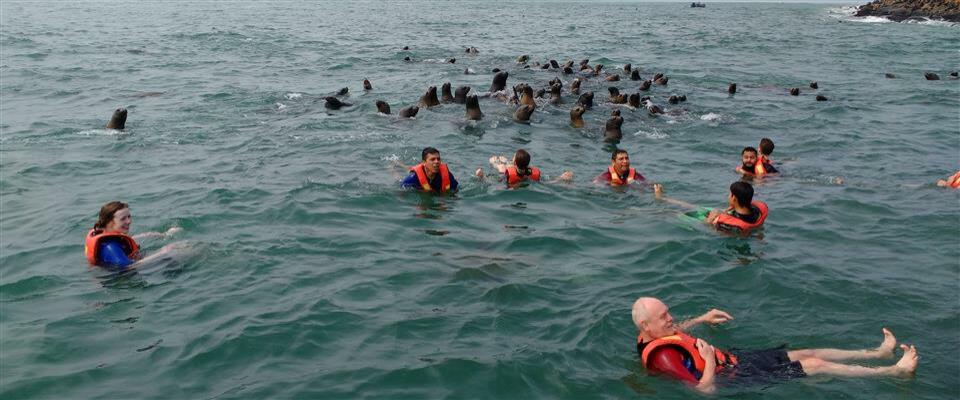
742 193
428 150
431 159
521 159
749 157
652 318
766 146
114 216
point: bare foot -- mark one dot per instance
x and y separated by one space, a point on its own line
908 363
886 347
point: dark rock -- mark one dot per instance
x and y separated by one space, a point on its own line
903 10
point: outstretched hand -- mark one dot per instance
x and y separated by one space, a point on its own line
715 316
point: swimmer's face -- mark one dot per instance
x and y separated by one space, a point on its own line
621 163
121 221
432 163
659 321
749 158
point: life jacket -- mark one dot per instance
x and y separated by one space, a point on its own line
615 177
425 183
760 168
92 243
954 181
513 177
688 345
745 226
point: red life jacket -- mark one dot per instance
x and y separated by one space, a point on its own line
688 345
954 181
615 177
91 244
425 183
513 177
759 168
745 226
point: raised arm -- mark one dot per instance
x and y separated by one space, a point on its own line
148 235
712 317
658 194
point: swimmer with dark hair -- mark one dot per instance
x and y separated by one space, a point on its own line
751 164
519 170
743 213
431 175
619 173
109 243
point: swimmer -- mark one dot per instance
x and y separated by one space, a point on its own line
665 348
519 169
109 243
431 175
619 172
951 182
743 213
751 166
763 158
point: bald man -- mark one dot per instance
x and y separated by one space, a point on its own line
665 348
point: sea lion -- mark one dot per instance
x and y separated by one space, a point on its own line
627 67
575 86
118 120
597 68
732 88
460 95
469 71
814 85
890 76
495 70
569 63
405 48
523 113
821 97
585 63
653 109
955 74
612 132
472 50
445 95
662 81
634 100
645 85
409 112
451 61
586 100
545 66
407 59
795 91
526 95
683 97
612 78
931 76
615 96
635 75
499 81
343 91
383 107
567 70
656 76
554 81
334 103
367 85
576 116
555 93
429 99
674 99
539 94
522 59
554 64
473 108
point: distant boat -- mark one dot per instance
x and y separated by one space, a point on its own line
697 5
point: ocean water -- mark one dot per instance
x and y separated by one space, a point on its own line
306 273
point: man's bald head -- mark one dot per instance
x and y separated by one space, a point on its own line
642 307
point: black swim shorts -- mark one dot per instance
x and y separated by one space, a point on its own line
770 363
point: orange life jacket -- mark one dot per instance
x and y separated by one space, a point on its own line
759 168
615 177
745 226
425 183
954 181
688 345
91 244
513 177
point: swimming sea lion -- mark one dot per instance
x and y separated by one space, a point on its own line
683 97
334 103
576 116
522 59
567 70
554 64
472 50
612 132
584 63
383 107
555 93
405 48
495 70
545 66
814 85
627 67
118 120
473 108
955 74
523 113
634 100
343 91
526 95
586 100
635 75
539 94
674 99
653 109
409 112
469 71
367 85
615 96
429 99
445 95
662 81
645 85
451 61
656 76
931 76
407 59
612 78
575 86
821 97
795 91
460 95
732 88
597 68
569 63
889 75
499 81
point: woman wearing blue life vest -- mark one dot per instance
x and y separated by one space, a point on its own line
431 175
109 243
519 170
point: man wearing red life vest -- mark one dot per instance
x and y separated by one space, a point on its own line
431 175
665 348
743 213
619 173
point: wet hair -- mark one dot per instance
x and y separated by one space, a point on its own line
743 192
766 146
106 214
748 149
522 160
617 151
428 150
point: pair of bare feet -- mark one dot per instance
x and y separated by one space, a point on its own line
907 363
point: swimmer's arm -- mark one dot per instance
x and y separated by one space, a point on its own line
707 352
658 194
147 235
565 177
712 317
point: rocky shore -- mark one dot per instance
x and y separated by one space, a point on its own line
903 10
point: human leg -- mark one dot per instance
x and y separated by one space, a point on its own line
906 366
885 350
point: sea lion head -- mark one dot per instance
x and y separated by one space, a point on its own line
473 108
634 100
445 94
383 107
409 112
635 75
367 85
118 120
499 81
586 100
732 88
523 113
460 95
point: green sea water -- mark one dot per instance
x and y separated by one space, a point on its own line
307 273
